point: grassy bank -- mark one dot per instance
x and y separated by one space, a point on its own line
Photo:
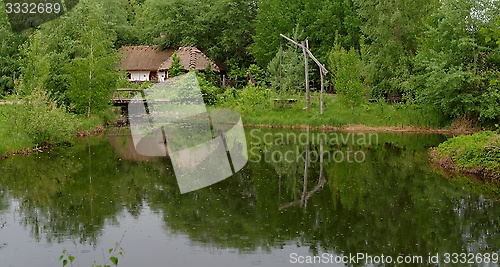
259 106
477 154
37 122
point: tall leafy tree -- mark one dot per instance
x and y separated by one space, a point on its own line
456 66
119 15
320 20
392 29
346 68
222 29
9 53
36 64
273 18
74 58
92 72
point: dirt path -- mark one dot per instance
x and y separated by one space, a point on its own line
359 128
9 102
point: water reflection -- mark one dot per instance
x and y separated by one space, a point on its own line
390 203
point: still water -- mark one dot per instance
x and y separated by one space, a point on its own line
374 197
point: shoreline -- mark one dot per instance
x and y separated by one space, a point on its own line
451 169
471 155
80 135
24 152
360 128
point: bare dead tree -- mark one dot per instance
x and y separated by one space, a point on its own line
322 71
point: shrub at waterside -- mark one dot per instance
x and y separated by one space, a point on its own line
477 154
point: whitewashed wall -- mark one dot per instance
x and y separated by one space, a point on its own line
139 75
161 76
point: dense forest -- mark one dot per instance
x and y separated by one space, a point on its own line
444 55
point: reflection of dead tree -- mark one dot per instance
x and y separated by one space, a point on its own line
306 168
303 202
321 182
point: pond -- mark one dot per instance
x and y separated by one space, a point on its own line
373 196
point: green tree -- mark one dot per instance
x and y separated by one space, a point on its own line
176 69
119 17
9 53
257 73
456 66
222 29
392 29
319 19
346 68
291 58
36 63
63 53
92 72
292 70
493 33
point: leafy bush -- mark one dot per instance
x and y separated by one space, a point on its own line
209 94
480 150
455 66
258 74
208 90
228 97
247 100
346 70
252 97
43 121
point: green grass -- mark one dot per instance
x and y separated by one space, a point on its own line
257 107
41 122
477 151
477 154
11 140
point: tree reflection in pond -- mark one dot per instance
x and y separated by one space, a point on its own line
391 203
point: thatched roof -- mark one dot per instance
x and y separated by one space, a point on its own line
191 58
147 58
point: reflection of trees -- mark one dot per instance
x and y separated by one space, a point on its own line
4 202
4 206
74 193
389 204
478 224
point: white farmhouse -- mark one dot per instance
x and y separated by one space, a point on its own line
142 62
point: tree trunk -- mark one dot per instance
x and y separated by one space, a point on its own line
321 93
281 59
306 72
